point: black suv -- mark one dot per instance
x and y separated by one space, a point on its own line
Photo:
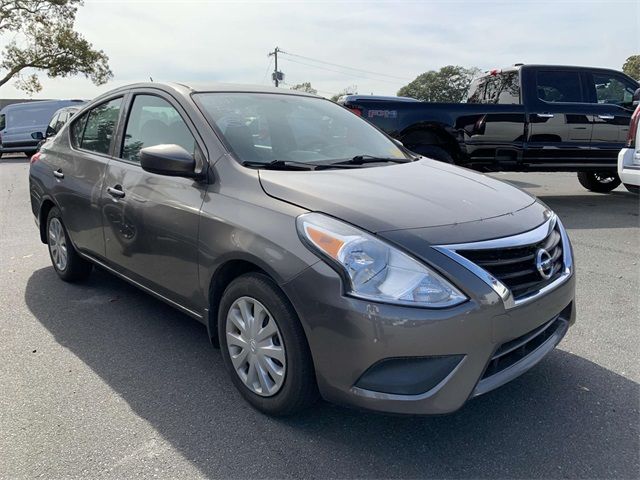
522 118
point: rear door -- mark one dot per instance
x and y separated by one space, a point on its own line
151 221
79 173
559 118
611 98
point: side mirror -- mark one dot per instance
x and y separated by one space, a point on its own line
37 135
636 97
397 142
171 160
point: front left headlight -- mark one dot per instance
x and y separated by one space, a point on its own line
374 269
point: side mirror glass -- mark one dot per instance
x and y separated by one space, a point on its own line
37 135
636 97
171 160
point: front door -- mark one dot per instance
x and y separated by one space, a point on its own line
612 97
560 123
151 221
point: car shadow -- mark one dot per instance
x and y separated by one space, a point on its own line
595 211
568 417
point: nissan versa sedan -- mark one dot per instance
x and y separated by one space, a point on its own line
323 257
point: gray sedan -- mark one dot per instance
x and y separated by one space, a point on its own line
323 257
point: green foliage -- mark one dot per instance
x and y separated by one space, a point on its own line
632 67
305 87
43 38
449 84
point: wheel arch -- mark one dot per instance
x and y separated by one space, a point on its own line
43 214
225 273
431 134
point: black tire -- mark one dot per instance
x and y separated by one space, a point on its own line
76 267
433 152
599 182
299 389
632 188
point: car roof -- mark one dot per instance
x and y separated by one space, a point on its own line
187 89
517 66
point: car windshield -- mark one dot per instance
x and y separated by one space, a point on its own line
265 127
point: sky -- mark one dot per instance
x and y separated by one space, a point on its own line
385 44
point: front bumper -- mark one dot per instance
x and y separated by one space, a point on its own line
628 171
347 336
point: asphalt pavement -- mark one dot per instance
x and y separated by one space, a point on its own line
99 380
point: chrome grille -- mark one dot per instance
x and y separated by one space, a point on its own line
517 267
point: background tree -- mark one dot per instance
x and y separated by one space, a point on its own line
305 87
42 38
632 66
449 84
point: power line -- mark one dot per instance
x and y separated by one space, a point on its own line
346 67
344 73
264 77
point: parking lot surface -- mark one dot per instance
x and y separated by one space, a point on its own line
99 380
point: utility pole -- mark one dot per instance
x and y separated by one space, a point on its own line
276 76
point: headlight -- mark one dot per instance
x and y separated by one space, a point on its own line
375 270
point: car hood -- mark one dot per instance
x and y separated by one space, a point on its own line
412 195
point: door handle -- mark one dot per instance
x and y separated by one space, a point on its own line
58 173
115 191
544 115
606 117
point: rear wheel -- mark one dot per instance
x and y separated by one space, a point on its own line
600 182
632 188
264 348
69 266
434 152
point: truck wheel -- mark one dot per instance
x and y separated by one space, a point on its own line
600 182
436 153
632 188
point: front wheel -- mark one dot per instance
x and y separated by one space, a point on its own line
264 347
600 182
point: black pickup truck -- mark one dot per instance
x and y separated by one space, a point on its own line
522 118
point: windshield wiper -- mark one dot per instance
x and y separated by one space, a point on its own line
280 165
363 159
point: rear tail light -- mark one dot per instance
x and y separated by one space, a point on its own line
35 157
633 129
356 111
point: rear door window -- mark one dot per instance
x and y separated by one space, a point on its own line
100 127
559 86
154 121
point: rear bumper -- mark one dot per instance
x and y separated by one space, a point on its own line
628 171
348 336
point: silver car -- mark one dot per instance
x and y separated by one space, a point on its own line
323 257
